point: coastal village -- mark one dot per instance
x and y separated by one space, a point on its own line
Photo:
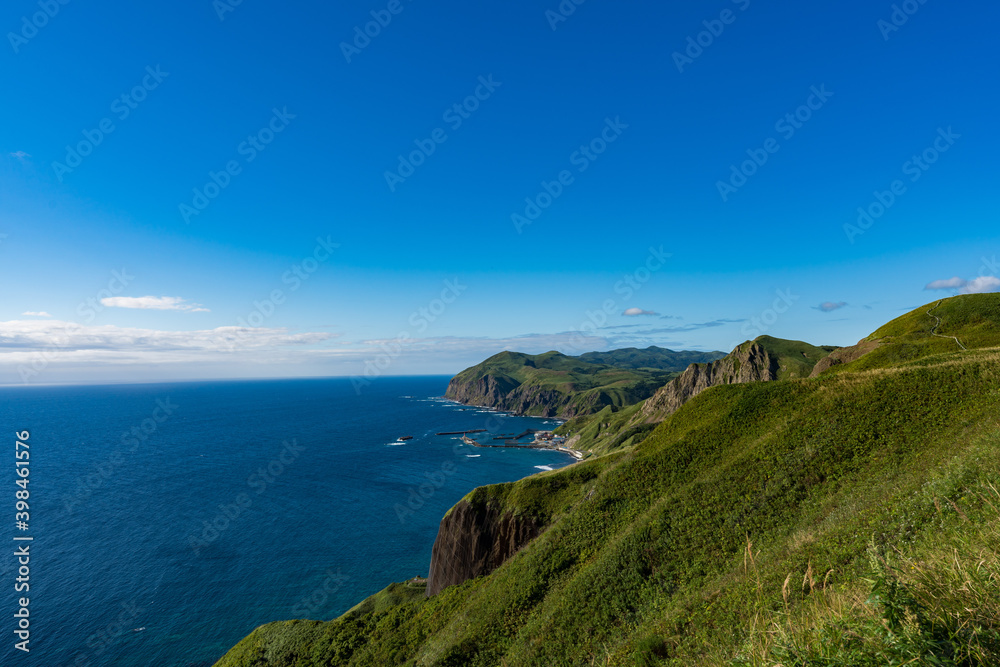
540 440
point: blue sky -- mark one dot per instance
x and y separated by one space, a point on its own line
739 138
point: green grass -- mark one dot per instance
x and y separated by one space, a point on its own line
607 430
974 319
657 358
842 520
796 359
555 384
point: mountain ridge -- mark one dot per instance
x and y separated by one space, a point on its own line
873 483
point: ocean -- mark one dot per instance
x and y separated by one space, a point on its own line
170 520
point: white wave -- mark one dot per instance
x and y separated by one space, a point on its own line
545 467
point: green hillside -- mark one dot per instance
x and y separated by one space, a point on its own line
971 321
848 519
659 358
763 358
554 384
796 358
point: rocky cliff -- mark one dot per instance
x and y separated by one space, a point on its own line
557 385
530 399
762 360
474 541
504 393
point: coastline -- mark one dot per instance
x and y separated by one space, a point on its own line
578 455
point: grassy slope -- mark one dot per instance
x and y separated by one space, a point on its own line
974 319
796 359
754 507
607 430
618 378
611 429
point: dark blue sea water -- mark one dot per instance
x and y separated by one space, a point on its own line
232 505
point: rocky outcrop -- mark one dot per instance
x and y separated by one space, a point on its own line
474 541
750 362
844 355
488 390
502 393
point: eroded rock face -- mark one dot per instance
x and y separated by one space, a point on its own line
472 542
503 393
845 355
489 390
751 363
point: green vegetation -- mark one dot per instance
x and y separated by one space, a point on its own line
795 358
652 357
607 430
849 519
553 384
973 319
612 428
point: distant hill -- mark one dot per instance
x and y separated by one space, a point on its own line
557 385
651 357
764 359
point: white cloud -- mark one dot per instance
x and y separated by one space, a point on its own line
635 312
20 155
32 313
24 337
830 306
152 303
950 283
979 285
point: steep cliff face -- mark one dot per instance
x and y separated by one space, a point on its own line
474 541
502 393
488 390
557 385
761 360
750 362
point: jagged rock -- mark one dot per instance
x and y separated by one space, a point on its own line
474 541
750 362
